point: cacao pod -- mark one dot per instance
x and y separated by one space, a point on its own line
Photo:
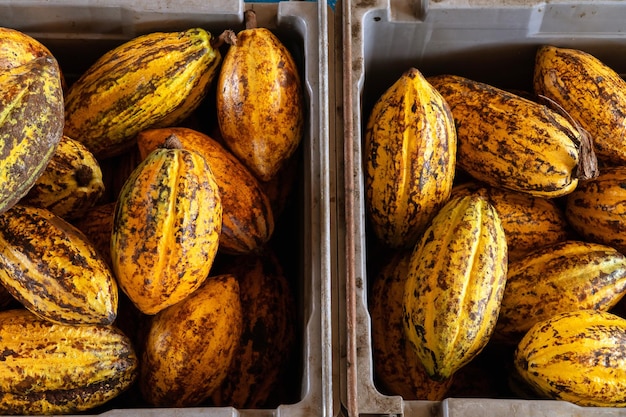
268 338
566 276
596 210
31 126
577 357
591 92
71 183
508 141
397 367
190 345
456 279
260 104
51 368
529 221
409 127
247 219
166 228
53 269
153 80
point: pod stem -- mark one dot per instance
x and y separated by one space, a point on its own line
227 37
83 175
172 142
250 19
587 159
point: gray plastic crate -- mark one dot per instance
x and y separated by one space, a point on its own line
491 41
79 31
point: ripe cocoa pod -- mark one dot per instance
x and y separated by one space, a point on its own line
247 219
190 345
17 48
31 97
51 368
268 338
260 104
591 92
71 183
596 210
529 222
456 278
566 276
152 80
577 357
409 127
508 141
166 228
53 270
397 367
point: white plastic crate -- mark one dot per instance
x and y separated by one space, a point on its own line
78 32
490 41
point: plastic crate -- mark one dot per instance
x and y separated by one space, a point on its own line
490 41
78 32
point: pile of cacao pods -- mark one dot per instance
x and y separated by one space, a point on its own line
140 213
497 218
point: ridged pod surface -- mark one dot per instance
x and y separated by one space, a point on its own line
17 48
71 184
166 228
31 125
247 219
50 368
260 103
53 270
597 208
577 357
268 338
590 91
508 141
152 80
529 221
410 152
566 276
190 345
397 367
456 279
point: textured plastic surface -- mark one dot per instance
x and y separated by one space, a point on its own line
78 32
491 41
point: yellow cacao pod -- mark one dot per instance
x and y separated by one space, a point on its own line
591 92
17 48
53 269
190 345
166 228
577 357
596 210
529 221
566 276
409 127
247 219
456 278
396 364
267 342
260 104
152 80
71 183
31 125
508 141
51 368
